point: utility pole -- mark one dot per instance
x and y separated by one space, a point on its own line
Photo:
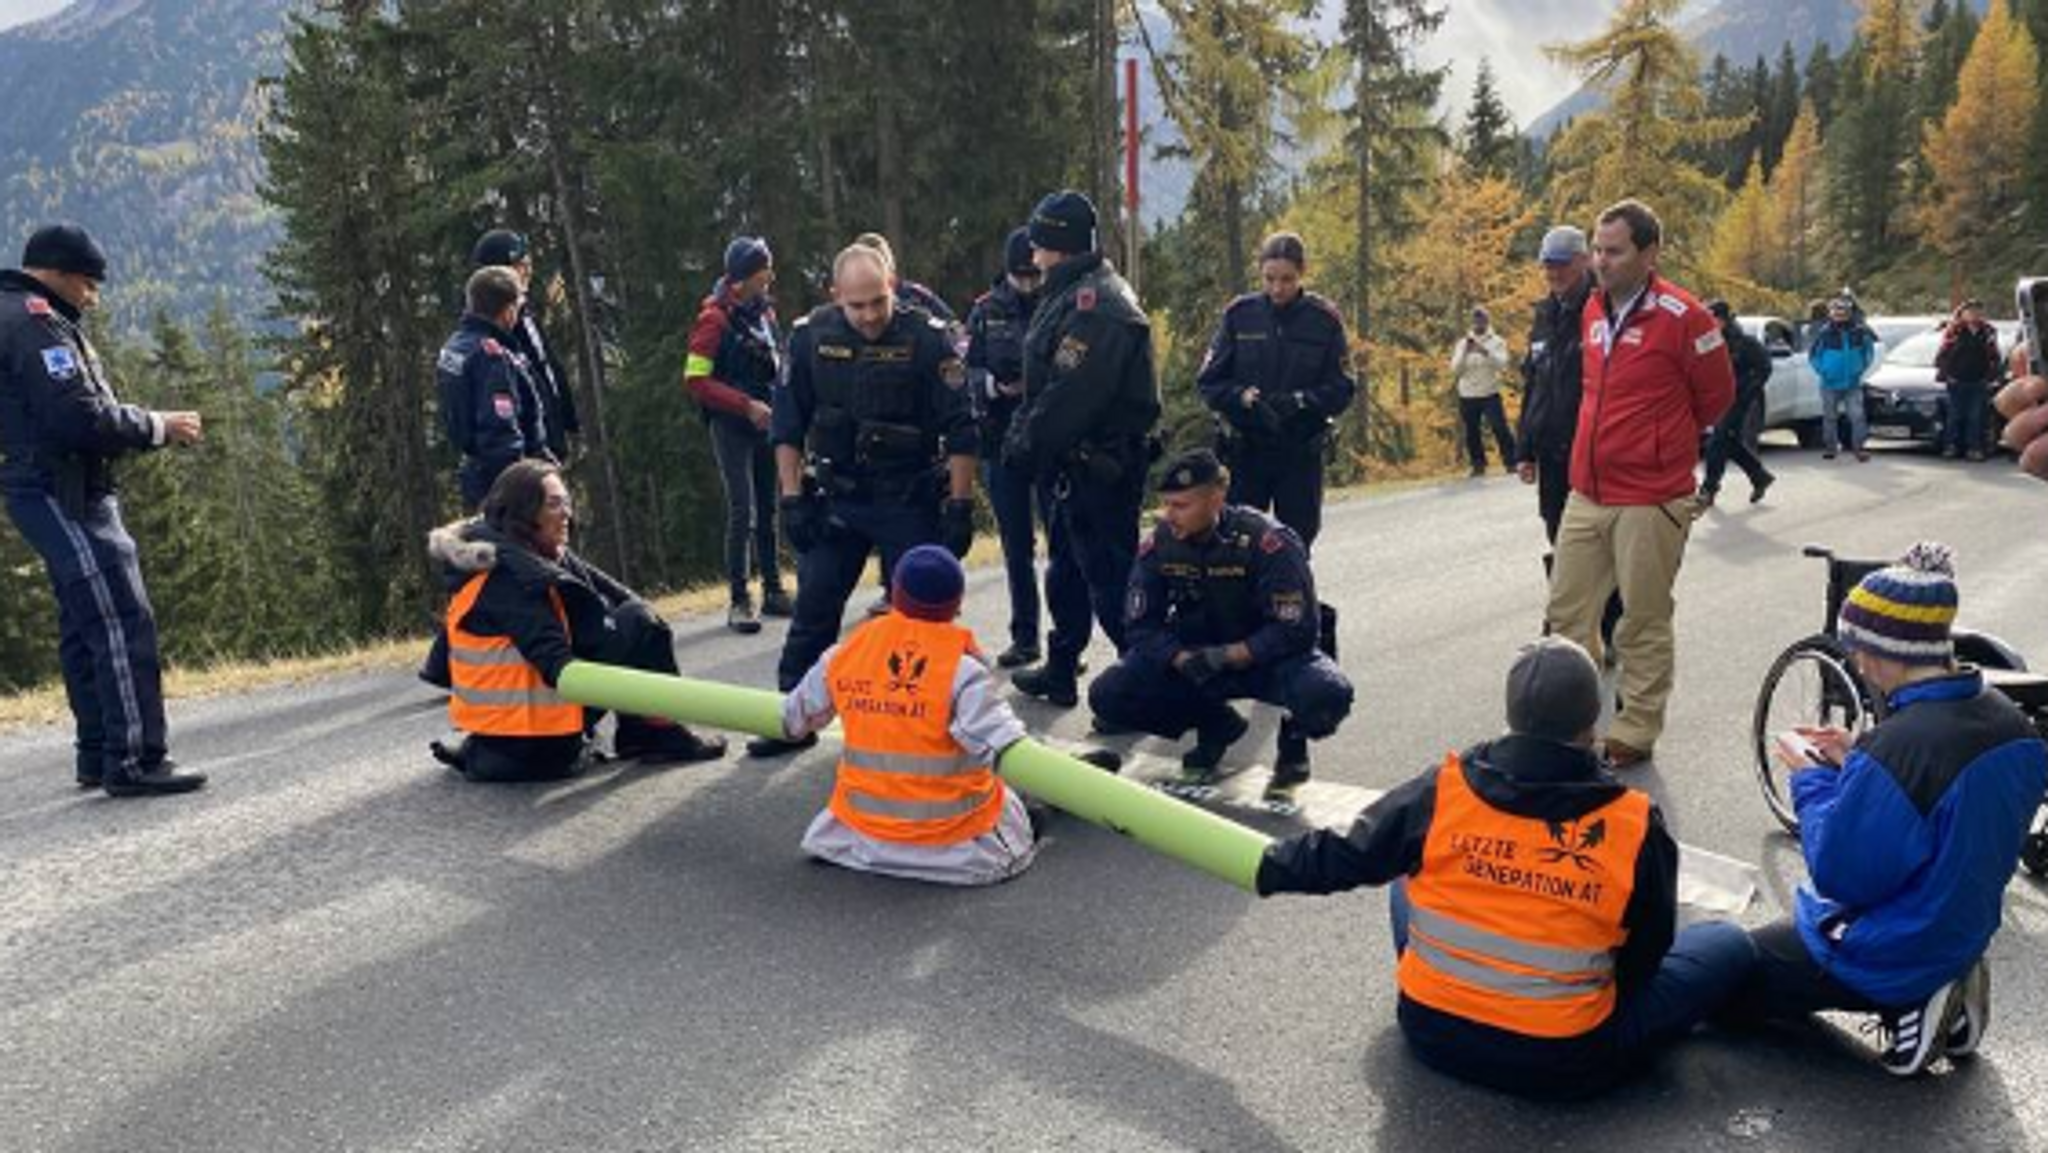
1134 226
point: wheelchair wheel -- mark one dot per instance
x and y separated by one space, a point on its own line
1811 683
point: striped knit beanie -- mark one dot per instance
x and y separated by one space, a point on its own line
1903 612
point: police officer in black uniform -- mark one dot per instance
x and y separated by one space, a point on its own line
61 429
874 451
995 376
1275 376
1090 403
1221 607
555 405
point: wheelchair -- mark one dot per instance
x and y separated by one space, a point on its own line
1814 683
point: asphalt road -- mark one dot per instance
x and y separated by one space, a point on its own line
342 946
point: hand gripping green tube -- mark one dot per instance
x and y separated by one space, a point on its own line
1217 846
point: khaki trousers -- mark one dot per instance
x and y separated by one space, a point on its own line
1636 548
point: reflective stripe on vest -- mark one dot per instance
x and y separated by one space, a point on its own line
1514 921
902 777
493 690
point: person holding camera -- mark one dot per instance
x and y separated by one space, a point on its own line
1967 365
1477 364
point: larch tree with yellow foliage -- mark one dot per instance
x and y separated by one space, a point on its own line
1745 248
1796 188
1978 153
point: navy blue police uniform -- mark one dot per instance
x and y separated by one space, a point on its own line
61 430
1246 581
488 405
996 327
1295 356
877 421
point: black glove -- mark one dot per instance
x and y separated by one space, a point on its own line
956 527
803 521
1204 665
1265 418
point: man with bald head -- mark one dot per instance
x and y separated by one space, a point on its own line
875 451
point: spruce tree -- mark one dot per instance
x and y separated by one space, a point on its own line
1489 141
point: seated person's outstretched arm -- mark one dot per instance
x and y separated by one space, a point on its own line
983 721
809 707
1383 844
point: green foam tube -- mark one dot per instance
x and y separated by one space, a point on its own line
1213 844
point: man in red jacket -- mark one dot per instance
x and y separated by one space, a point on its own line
1656 373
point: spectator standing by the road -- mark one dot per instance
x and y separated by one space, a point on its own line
61 431
1910 832
1656 375
734 361
1967 365
1841 355
1727 442
1533 900
1478 361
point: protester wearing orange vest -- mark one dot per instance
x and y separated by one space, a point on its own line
523 605
1534 900
916 793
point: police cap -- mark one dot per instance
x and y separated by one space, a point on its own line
64 248
498 246
1195 468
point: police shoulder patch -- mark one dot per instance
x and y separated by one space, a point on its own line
60 363
37 306
1085 297
491 347
1071 352
452 362
1272 542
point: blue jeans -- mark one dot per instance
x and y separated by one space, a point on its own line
1010 495
1967 401
1705 967
1835 405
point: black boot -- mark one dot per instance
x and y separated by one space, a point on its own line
664 744
776 603
1198 765
1052 682
1290 768
766 747
160 779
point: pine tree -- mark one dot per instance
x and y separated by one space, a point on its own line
1391 131
1822 80
1870 159
1977 153
1795 195
1489 141
1781 109
1949 32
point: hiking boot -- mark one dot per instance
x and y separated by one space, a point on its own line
652 744
1018 655
1622 755
1756 494
767 747
1913 1035
740 617
1973 1016
1211 742
160 779
1049 683
776 603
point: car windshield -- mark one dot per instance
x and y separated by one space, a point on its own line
1915 351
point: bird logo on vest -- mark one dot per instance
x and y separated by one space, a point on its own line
906 669
1569 842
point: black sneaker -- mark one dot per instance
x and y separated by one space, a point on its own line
667 745
1018 655
776 603
1200 763
740 617
1973 1016
1055 686
1756 494
1914 1035
766 747
160 779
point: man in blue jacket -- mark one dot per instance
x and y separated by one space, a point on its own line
1842 352
1910 832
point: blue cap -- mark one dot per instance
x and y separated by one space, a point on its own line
1017 251
745 256
929 584
1063 222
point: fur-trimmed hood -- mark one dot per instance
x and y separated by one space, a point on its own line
465 546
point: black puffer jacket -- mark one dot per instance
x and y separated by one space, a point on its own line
514 600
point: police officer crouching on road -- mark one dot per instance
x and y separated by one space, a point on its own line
1275 377
61 429
1090 402
1221 607
875 405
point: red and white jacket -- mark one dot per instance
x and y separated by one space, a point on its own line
1649 392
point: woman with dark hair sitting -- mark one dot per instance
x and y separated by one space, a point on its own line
523 606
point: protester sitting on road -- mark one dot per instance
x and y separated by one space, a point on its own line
1533 899
1910 833
916 794
524 605
1842 353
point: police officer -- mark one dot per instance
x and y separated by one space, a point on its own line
875 403
486 392
995 376
555 404
1090 402
1275 377
1221 607
61 429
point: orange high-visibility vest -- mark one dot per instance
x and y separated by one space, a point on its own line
493 690
1514 921
902 777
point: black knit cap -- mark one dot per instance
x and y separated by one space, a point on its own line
64 248
1064 222
499 246
1194 468
1017 252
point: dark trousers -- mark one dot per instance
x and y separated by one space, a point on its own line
1706 964
1553 489
1094 542
1285 479
1726 443
746 467
1471 411
107 640
1146 694
1786 983
828 572
1011 494
1967 403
